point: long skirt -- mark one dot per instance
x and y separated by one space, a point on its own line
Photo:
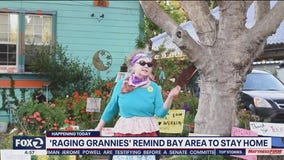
136 127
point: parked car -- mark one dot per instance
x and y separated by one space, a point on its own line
262 93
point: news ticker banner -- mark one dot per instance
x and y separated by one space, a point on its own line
90 143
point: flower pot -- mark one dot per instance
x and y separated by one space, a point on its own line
4 121
3 127
191 128
101 3
123 68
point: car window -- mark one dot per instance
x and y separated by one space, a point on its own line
262 81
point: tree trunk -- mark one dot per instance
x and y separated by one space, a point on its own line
217 104
214 108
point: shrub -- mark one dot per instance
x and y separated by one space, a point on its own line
66 74
35 118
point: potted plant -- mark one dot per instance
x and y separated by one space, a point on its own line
4 115
4 121
123 67
101 3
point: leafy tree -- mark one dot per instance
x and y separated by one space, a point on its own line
66 74
174 9
150 29
172 68
224 54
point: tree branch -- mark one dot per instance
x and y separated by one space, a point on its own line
203 22
153 11
261 9
232 19
179 36
254 39
248 3
266 25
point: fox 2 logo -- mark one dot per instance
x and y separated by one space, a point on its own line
28 142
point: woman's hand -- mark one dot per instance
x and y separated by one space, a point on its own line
174 92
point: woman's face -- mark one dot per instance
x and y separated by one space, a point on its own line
143 67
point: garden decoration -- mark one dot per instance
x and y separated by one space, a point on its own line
173 80
93 105
101 95
102 60
162 76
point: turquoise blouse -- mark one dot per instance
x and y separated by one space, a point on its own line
141 102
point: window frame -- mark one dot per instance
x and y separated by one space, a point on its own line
6 44
19 67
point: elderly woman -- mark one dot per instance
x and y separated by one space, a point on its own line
138 100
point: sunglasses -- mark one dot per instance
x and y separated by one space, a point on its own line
143 63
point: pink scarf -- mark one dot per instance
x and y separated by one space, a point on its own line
133 82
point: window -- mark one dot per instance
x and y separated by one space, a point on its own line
38 29
8 38
38 32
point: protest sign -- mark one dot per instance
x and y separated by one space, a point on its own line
173 122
